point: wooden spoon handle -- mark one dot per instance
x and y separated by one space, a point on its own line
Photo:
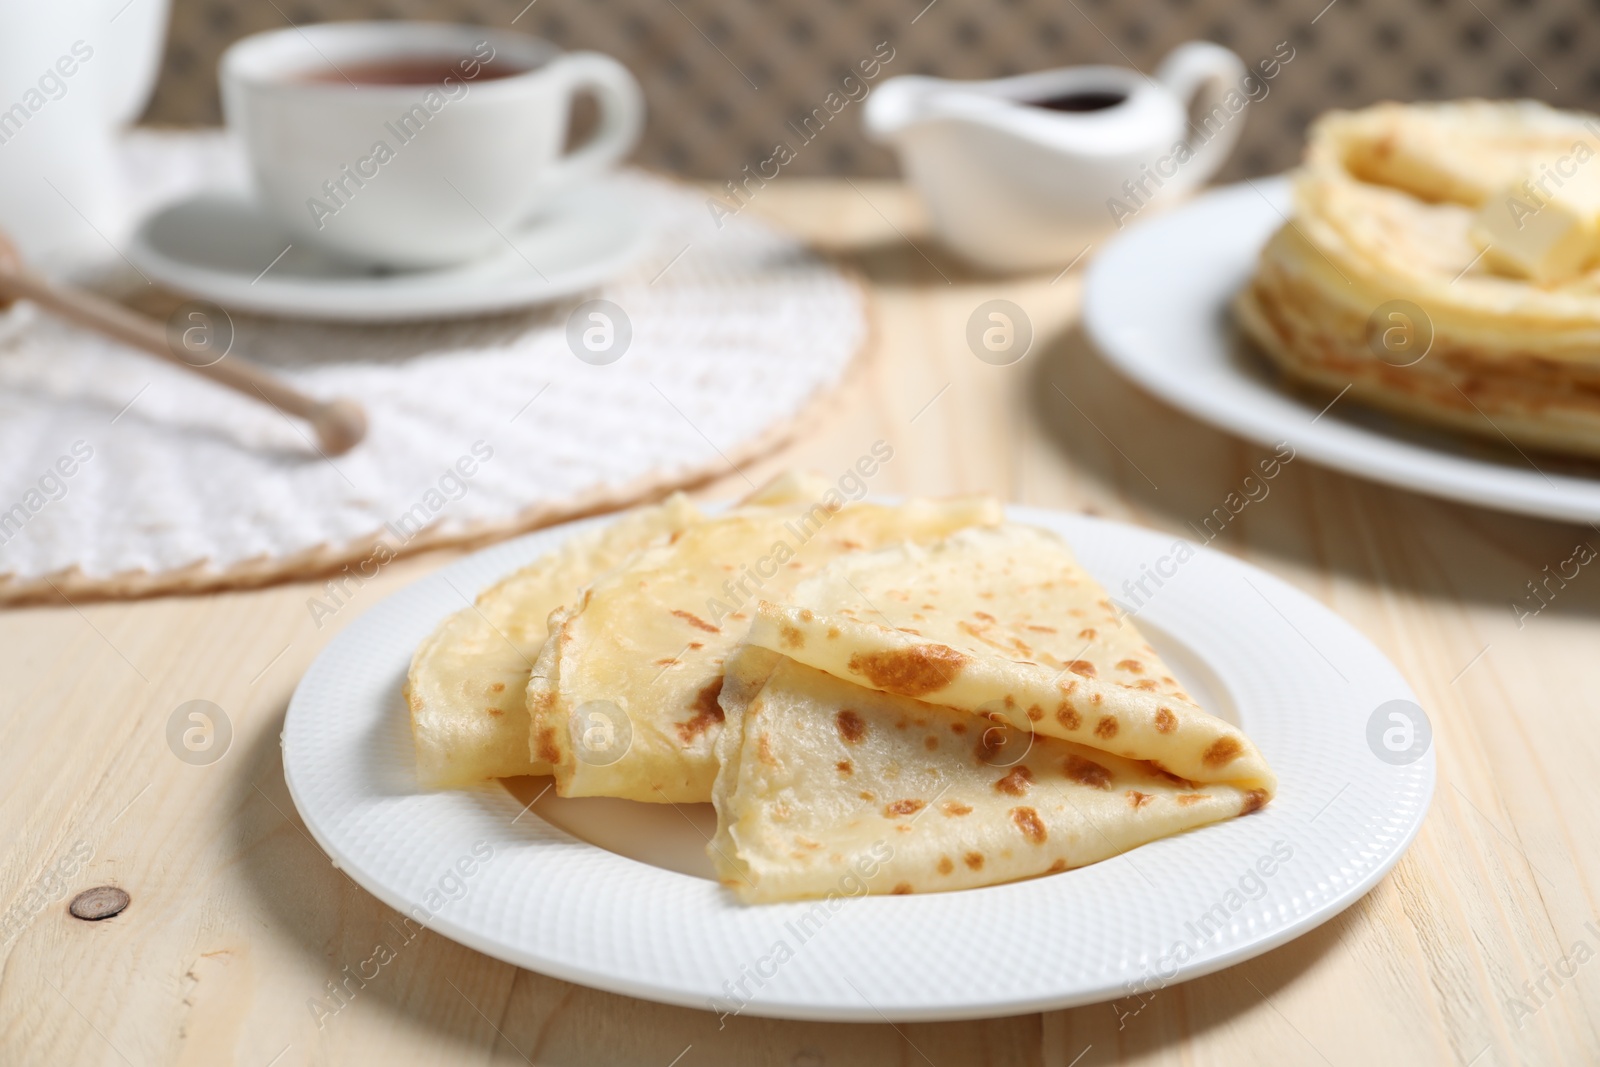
339 424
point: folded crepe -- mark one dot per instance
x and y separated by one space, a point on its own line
827 788
467 681
1005 623
637 661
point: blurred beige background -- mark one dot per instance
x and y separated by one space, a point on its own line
724 76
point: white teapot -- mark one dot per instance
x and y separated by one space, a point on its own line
1027 172
71 75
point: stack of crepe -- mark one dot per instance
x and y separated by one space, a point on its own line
1389 207
917 697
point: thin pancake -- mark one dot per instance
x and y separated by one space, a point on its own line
1378 290
1004 622
640 655
466 683
828 788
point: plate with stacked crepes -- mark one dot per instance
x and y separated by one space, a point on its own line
816 756
1419 304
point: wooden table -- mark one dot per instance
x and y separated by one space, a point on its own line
237 919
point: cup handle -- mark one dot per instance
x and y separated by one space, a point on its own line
621 115
1200 74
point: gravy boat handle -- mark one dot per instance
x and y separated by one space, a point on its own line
1200 74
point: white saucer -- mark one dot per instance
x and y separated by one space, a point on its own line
620 896
222 247
1156 302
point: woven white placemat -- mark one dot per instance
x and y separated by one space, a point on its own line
120 475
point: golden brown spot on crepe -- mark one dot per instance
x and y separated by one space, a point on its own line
738 615
846 767
958 727
791 636
1029 823
833 632
954 808
1144 683
973 860
1221 751
991 741
1185 799
896 808
1132 666
903 889
695 645
807 844
1011 701
1042 629
1254 800
984 615
1096 699
764 751
904 828
413 701
909 672
1169 776
1087 633
496 712
696 621
867 795
667 662
1086 772
1137 800
1166 722
1081 666
706 711
930 743
1035 712
1057 867
1068 718
945 866
851 728
497 687
548 752
1015 783
806 615
1106 728
1067 687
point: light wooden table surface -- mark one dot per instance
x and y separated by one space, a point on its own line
238 919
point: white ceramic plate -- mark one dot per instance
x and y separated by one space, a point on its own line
618 895
1156 303
220 246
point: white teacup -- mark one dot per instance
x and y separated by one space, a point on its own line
413 144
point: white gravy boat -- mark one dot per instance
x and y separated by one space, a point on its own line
1012 185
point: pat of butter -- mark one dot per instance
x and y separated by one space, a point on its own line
1540 230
